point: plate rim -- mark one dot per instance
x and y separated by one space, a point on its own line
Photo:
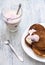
27 46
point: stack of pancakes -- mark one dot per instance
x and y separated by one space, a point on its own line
37 47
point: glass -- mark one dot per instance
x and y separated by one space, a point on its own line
12 19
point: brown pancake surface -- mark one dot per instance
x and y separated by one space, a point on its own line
38 52
37 27
41 43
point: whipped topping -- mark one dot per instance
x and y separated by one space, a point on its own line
32 38
31 31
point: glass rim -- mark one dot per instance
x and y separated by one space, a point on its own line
14 17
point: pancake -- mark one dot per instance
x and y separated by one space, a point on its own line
38 52
37 47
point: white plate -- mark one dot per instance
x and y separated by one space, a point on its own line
28 50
